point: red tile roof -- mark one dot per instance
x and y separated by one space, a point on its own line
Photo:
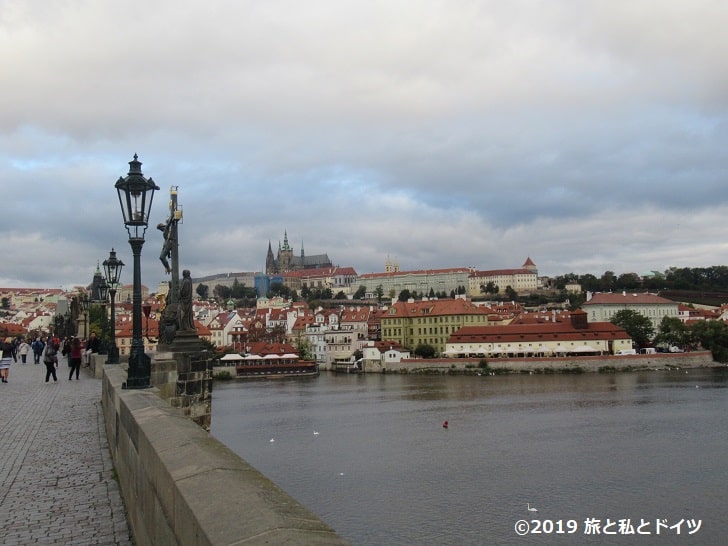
627 298
434 308
416 272
559 331
495 272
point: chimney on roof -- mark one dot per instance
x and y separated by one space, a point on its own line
579 320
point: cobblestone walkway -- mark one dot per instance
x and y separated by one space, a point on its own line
56 476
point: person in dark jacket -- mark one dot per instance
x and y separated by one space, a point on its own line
38 347
50 359
92 346
74 357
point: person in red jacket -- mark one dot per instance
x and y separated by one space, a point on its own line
74 357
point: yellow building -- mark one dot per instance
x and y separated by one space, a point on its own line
429 322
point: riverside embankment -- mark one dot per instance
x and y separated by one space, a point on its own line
695 359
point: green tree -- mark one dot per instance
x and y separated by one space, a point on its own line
608 282
637 326
360 292
489 288
424 350
303 348
629 281
221 292
379 291
673 332
562 280
404 295
279 289
98 321
589 283
511 294
340 295
712 336
203 291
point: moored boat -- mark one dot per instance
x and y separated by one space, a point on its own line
275 366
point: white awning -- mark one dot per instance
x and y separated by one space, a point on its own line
584 349
232 357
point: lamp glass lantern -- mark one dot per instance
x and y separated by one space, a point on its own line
112 268
103 291
136 193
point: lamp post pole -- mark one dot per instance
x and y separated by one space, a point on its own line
113 349
103 295
139 363
135 197
84 307
113 266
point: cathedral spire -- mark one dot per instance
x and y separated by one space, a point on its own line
286 246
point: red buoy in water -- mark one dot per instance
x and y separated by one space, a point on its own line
444 425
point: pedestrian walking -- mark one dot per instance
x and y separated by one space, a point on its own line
50 359
38 346
16 344
6 359
74 357
24 349
66 349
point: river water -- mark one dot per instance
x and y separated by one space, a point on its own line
369 454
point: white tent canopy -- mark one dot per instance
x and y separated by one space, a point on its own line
232 357
584 349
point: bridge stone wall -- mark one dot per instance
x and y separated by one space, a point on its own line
181 486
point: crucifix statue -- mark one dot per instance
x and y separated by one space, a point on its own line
170 251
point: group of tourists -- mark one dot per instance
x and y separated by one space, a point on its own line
77 352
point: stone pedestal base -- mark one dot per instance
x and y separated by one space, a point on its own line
186 342
185 379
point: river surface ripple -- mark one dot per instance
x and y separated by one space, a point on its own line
369 454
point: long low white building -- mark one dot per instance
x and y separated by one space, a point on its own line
601 307
575 337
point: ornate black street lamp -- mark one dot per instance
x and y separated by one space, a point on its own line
135 197
103 295
112 267
84 308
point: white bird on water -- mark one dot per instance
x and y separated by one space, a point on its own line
272 440
315 432
530 508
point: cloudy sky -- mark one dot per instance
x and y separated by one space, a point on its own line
590 136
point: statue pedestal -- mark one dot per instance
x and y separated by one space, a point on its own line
186 341
183 373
